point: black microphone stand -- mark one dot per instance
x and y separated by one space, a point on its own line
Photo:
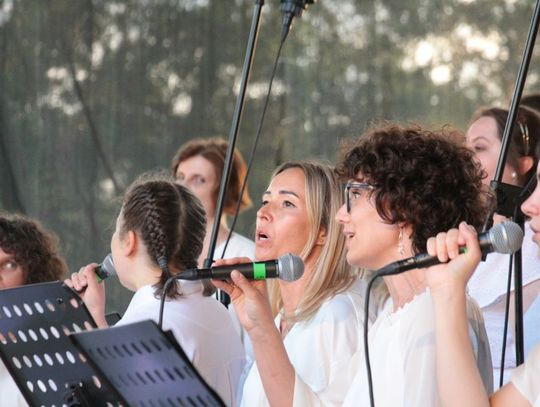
510 197
233 134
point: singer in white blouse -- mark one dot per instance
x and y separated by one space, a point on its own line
314 335
404 185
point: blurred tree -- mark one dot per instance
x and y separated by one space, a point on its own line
94 92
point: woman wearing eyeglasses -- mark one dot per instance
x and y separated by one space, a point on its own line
315 333
489 283
407 184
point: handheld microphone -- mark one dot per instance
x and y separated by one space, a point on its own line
506 238
287 267
105 269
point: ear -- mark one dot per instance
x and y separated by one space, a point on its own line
525 164
321 237
129 243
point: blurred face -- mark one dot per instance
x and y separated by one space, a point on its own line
483 139
11 273
198 174
531 208
117 251
370 241
282 220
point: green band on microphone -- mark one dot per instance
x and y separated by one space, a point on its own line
259 271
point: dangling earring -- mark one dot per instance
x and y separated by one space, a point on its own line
400 248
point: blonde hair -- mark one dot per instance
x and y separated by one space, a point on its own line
331 274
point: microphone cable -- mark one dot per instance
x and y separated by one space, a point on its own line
366 345
284 35
525 193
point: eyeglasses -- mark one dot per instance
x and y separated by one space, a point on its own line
353 190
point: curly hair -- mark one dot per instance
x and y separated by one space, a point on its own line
34 248
171 223
426 179
215 151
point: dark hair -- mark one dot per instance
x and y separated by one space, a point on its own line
215 151
531 100
34 248
171 223
524 140
426 179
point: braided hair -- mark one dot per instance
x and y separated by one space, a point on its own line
171 223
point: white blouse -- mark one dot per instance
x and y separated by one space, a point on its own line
526 378
320 350
402 355
10 395
203 327
488 287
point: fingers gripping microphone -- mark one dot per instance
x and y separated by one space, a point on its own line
287 267
503 238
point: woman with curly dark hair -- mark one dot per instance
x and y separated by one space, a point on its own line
405 184
28 253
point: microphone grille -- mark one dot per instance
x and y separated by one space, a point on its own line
107 266
506 237
290 267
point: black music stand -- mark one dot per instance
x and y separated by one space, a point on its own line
35 321
145 366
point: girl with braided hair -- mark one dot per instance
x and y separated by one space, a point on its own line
159 233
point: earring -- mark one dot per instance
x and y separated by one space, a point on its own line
514 176
400 248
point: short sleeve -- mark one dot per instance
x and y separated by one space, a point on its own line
526 377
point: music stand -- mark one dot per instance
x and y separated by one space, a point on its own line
145 366
35 321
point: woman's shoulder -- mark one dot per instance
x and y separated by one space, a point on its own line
238 246
348 303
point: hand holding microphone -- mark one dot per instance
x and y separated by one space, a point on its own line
250 298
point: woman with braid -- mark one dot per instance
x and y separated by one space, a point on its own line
159 233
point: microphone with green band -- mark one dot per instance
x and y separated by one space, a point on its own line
287 267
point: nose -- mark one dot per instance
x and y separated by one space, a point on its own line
264 213
531 207
342 216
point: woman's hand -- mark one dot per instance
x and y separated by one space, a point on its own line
250 298
457 268
91 292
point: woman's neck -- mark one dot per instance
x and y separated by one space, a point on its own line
292 292
404 287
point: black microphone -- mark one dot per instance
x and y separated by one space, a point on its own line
291 9
287 267
105 269
506 238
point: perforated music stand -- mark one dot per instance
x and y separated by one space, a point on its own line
49 370
146 366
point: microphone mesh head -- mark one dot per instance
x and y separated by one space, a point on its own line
506 237
290 267
107 266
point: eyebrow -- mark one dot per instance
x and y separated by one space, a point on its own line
283 192
480 137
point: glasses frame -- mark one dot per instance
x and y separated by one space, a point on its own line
364 186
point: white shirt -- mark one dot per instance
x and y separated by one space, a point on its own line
239 246
526 378
319 349
203 328
402 355
10 395
488 287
